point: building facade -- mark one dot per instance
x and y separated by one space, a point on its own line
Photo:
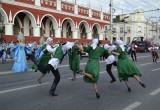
134 26
56 18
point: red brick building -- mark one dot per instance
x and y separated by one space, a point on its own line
56 18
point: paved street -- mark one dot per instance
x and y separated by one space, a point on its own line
21 91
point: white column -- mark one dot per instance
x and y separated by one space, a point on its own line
89 35
59 5
101 36
58 33
75 9
90 13
76 34
38 2
102 15
36 31
9 29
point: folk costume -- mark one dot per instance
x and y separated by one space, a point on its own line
92 68
53 64
154 53
74 60
19 55
110 60
125 67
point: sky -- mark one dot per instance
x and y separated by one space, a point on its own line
125 6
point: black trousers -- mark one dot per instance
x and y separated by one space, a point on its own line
56 74
48 67
133 53
108 69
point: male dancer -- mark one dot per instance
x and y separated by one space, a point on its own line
53 64
110 60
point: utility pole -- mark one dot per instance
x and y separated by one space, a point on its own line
111 20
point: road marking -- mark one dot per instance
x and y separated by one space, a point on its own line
132 106
155 92
21 88
156 69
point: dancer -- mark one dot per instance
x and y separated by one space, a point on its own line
110 60
19 55
44 59
91 73
74 60
4 55
53 64
125 67
154 53
133 51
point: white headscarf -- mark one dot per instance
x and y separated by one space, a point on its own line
94 43
121 44
106 46
49 40
67 46
109 48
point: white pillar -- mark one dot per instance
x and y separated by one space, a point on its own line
58 33
89 35
90 13
36 31
101 36
102 15
59 5
38 2
76 34
9 29
75 9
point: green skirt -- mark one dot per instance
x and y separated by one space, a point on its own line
92 67
126 68
44 59
74 64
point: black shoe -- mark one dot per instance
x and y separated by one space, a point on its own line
36 70
39 81
112 81
97 95
52 93
143 85
129 89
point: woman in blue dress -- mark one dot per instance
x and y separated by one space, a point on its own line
19 55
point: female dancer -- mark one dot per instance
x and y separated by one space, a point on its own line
154 53
91 73
125 67
19 55
74 60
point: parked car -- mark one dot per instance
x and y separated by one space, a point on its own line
142 46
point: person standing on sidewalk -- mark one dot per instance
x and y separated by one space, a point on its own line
133 51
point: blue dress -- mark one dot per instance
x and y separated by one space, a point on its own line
39 52
20 63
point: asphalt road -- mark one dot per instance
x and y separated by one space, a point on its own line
21 91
